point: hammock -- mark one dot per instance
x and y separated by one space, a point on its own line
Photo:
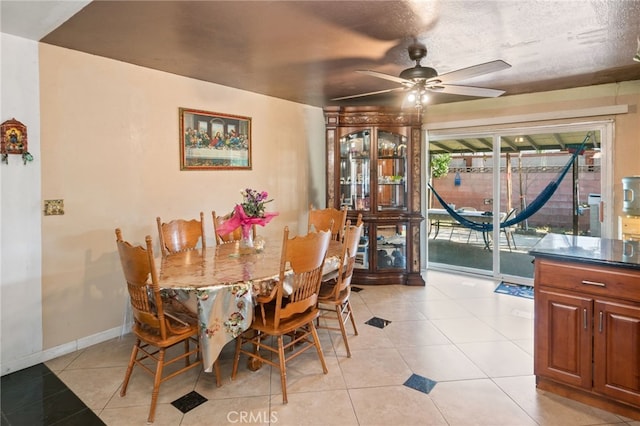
529 211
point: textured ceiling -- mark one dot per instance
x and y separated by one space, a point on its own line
308 51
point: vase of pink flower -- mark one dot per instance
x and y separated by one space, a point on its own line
247 214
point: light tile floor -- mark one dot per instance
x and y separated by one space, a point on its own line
476 344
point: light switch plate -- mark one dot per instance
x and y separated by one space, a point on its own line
53 207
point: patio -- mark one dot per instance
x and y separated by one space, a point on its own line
462 247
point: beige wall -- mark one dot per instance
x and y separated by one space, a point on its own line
626 142
110 150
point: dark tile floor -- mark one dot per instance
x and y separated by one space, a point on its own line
36 396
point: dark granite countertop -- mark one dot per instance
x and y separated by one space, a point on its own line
600 251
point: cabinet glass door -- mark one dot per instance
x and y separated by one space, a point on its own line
355 170
391 246
362 257
392 171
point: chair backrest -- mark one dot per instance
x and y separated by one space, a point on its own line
231 237
140 274
181 235
320 220
349 251
510 215
305 256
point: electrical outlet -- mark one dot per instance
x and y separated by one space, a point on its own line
53 207
488 200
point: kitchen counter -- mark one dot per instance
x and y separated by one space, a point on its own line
593 250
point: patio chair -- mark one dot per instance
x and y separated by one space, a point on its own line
508 231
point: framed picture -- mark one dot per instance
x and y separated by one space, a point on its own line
212 140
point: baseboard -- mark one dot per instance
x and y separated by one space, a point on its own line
25 361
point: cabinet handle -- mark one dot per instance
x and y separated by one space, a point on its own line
584 318
596 283
600 325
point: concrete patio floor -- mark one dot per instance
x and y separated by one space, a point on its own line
466 248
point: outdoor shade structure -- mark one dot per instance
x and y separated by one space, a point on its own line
515 144
475 155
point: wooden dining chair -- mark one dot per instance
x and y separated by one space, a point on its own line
155 326
180 235
320 220
333 299
231 237
291 316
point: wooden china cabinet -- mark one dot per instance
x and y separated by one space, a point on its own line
373 167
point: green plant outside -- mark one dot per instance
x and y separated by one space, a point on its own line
440 165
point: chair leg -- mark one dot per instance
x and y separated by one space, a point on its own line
283 369
187 361
236 357
353 320
343 330
156 386
132 361
506 235
216 369
316 342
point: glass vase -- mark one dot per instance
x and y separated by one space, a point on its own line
246 242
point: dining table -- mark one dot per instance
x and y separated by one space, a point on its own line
220 284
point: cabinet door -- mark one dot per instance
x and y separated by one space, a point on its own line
391 247
617 351
355 170
391 171
563 338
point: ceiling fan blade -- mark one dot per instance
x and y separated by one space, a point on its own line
472 71
467 91
386 76
368 94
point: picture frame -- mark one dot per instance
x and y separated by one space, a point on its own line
214 141
14 137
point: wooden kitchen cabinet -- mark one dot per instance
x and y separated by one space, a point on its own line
587 333
374 166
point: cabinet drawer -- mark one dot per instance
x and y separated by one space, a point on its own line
585 278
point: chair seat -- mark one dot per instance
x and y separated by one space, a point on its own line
286 325
330 276
177 312
153 338
325 296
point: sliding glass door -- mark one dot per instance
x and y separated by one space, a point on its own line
492 199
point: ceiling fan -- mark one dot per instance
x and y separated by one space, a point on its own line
420 80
